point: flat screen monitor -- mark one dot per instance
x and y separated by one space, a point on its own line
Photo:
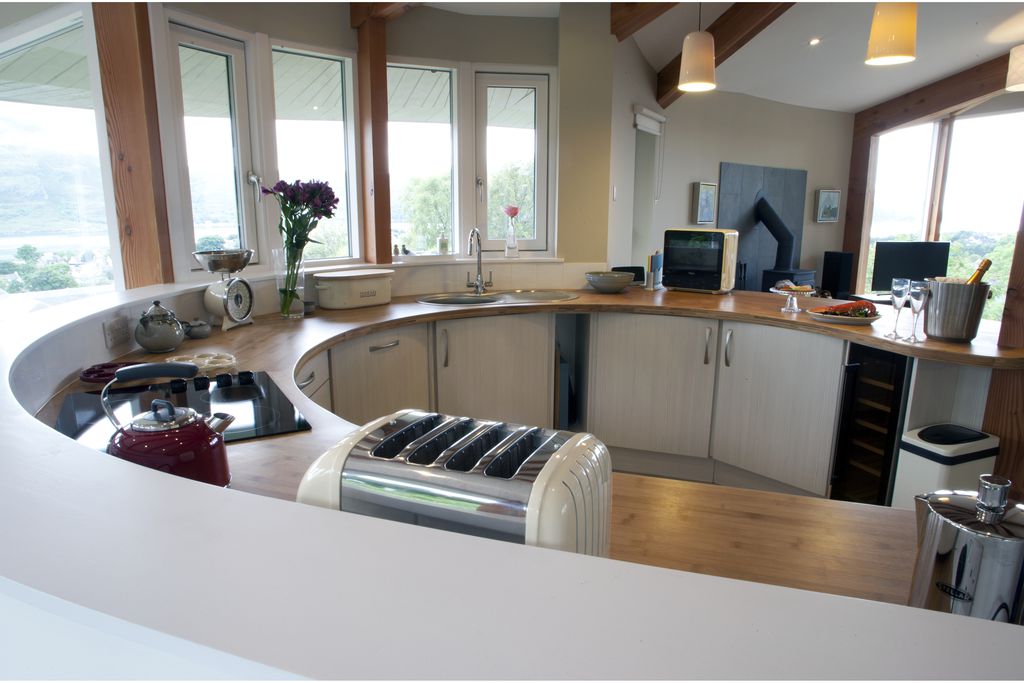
913 260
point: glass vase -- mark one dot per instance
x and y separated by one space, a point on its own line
289 275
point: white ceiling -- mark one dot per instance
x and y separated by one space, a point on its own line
780 65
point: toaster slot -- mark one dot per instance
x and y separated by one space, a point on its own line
507 463
392 444
468 455
435 444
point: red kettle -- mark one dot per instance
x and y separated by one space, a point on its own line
170 438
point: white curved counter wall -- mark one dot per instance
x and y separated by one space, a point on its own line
323 594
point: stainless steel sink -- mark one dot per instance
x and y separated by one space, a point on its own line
459 299
522 296
518 296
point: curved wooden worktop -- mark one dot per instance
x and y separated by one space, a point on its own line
220 567
266 343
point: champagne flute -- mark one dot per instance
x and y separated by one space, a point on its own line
918 294
900 292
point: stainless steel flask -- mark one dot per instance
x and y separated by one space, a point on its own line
970 557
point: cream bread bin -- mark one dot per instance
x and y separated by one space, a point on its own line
353 288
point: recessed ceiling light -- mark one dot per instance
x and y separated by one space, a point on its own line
813 41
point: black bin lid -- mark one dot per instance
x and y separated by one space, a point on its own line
949 434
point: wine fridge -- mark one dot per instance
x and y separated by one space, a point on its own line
871 422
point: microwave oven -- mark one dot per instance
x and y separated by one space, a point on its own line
700 260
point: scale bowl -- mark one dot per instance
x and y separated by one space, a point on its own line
226 261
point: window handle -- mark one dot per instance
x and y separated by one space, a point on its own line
257 182
480 189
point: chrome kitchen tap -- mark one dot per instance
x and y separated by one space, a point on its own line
479 286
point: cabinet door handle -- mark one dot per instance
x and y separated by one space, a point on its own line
728 348
309 380
707 345
444 334
389 345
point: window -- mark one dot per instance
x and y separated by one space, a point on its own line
983 198
310 98
500 138
903 174
54 232
512 157
974 203
219 211
239 110
421 158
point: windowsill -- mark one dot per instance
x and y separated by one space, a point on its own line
417 261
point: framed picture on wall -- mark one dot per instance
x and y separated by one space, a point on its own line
826 206
703 202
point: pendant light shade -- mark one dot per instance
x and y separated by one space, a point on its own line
893 34
1015 74
697 68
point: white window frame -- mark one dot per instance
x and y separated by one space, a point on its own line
456 69
39 27
353 172
172 133
259 75
465 141
541 85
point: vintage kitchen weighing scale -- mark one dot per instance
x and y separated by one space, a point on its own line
231 297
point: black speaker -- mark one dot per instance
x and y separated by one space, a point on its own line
835 273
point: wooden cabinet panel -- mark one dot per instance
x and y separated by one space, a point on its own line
380 373
498 368
314 379
652 382
777 403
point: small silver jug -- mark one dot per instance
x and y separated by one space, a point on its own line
158 330
970 557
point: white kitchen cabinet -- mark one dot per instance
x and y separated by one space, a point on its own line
498 367
778 402
314 379
652 382
381 372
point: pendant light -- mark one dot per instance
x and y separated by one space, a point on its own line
697 66
893 34
1015 74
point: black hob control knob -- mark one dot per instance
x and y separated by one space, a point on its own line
246 377
201 383
224 380
179 386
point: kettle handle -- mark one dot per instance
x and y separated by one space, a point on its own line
144 371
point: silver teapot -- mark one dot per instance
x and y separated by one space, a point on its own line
970 557
158 330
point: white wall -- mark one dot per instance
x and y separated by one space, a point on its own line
436 34
706 129
325 24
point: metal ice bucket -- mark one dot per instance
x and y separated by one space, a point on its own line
953 311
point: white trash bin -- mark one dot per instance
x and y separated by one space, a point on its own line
942 457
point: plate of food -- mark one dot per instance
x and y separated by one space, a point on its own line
849 313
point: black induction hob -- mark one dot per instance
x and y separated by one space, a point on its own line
257 404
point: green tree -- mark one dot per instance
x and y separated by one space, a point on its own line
210 243
427 203
512 185
28 253
7 267
55 276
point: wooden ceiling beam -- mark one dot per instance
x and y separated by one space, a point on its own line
361 11
629 17
736 27
962 90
